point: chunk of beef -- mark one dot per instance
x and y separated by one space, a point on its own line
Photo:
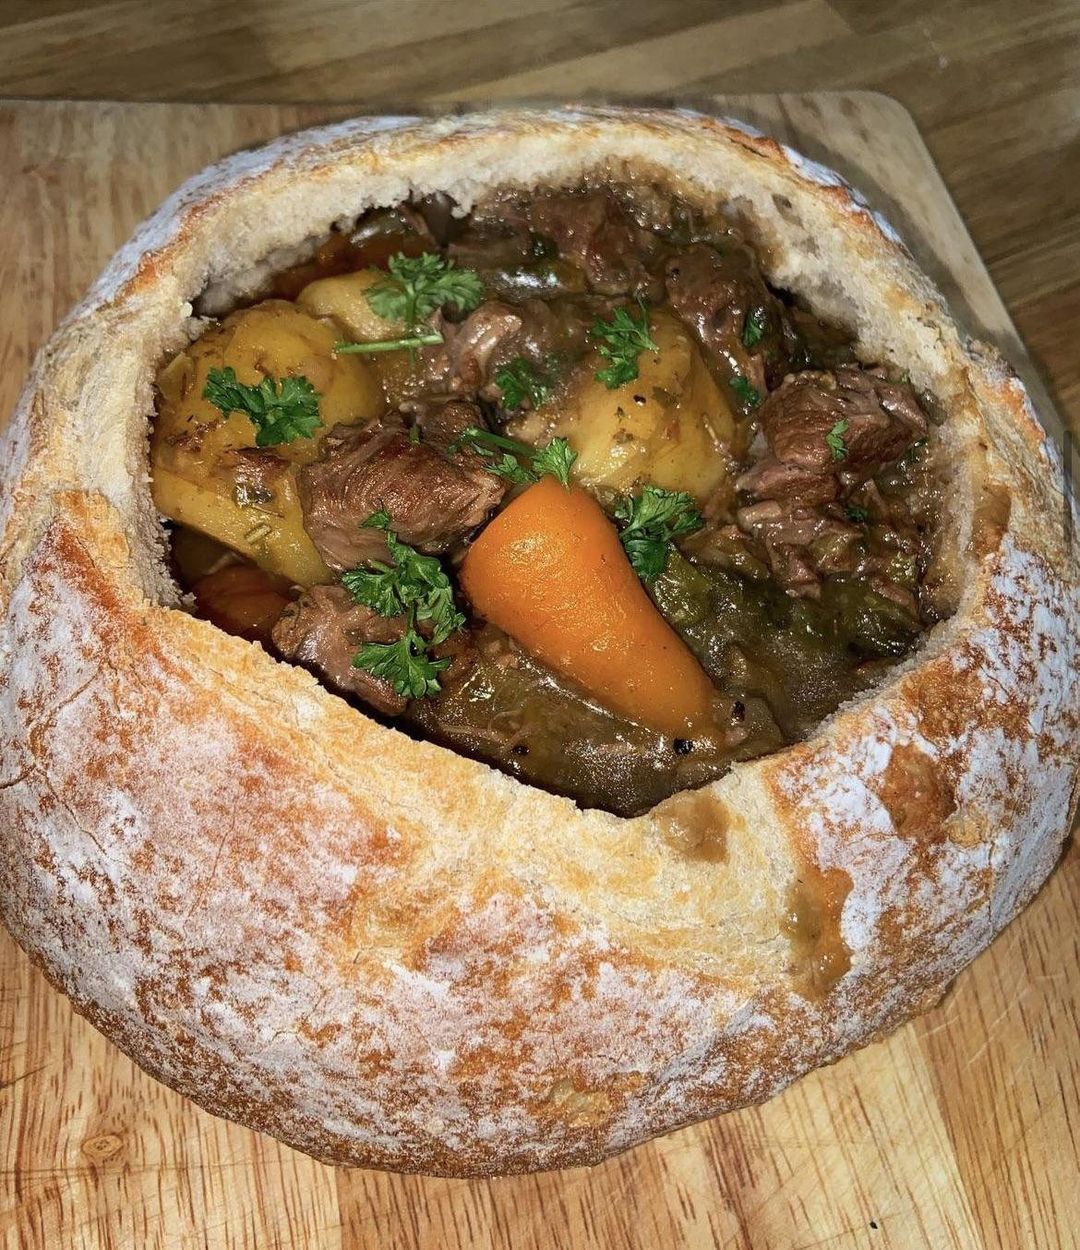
442 421
325 628
882 418
472 349
597 234
714 291
798 481
433 500
770 478
800 543
494 334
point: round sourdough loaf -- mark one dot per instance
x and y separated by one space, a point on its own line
389 955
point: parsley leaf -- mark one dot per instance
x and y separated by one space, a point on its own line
405 663
416 586
556 457
835 439
508 467
651 521
418 285
378 520
749 395
414 583
754 326
279 411
857 513
520 381
410 342
620 341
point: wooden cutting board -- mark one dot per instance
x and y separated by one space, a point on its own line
961 1131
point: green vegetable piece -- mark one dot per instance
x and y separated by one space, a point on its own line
415 585
409 343
556 457
413 582
405 663
279 411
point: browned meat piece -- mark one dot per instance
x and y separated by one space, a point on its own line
471 349
433 501
714 291
797 481
883 419
549 328
325 628
770 478
801 543
443 421
493 335
598 235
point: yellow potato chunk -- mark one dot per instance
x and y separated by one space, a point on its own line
207 472
345 299
672 426
273 536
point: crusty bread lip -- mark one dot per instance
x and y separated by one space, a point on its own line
388 955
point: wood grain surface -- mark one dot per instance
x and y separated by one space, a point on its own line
994 85
959 1132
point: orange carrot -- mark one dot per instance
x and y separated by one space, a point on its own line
550 571
242 599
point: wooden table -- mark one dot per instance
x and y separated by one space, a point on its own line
994 85
959 1132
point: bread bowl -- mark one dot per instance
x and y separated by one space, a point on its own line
678 1022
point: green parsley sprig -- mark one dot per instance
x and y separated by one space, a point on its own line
418 285
416 586
754 326
516 461
520 381
409 342
651 522
405 663
414 582
748 394
834 440
621 341
279 411
414 288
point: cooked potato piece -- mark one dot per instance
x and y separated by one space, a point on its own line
345 299
671 426
275 539
207 472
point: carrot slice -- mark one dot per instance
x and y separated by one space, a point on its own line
550 571
242 599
